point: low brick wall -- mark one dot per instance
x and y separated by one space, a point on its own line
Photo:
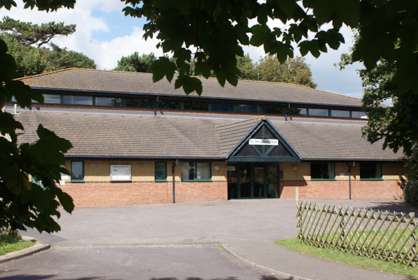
360 190
123 194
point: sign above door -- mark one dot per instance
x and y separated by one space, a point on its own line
263 142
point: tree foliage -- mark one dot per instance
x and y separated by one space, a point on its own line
60 58
247 68
293 70
136 63
25 202
30 57
34 34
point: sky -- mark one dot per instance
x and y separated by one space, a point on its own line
104 34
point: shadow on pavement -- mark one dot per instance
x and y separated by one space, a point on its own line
50 276
394 206
53 277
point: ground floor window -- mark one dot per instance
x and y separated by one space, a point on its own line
322 170
160 170
370 171
120 173
196 171
77 170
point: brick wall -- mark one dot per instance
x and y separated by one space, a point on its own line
122 194
97 191
296 182
360 190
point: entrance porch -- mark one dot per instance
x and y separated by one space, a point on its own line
254 165
257 180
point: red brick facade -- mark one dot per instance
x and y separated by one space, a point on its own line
123 194
360 190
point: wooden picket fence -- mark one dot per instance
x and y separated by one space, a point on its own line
383 235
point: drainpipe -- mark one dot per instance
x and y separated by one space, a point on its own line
350 165
173 175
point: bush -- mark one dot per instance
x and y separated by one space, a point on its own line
411 192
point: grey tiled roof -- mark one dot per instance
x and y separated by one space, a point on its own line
230 134
314 140
127 135
102 134
134 83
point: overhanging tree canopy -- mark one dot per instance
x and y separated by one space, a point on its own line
212 33
34 34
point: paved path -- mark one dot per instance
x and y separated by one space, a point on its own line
179 242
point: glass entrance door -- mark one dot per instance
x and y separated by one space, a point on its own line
253 181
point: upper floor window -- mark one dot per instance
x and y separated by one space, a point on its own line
107 101
52 99
318 112
160 170
221 107
196 106
302 111
196 171
77 100
340 113
245 108
358 114
370 170
323 170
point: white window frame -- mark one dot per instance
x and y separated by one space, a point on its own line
120 177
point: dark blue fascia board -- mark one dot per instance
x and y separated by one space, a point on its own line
101 157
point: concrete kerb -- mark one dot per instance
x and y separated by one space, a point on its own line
280 274
37 247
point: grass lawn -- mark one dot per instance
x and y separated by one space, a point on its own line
335 255
13 243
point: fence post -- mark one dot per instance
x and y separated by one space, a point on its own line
414 240
342 227
299 206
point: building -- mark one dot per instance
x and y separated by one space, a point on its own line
136 141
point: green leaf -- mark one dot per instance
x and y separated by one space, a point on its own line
65 200
162 67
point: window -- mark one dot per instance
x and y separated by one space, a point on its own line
221 107
318 112
370 170
322 170
120 173
196 171
340 113
160 171
77 170
245 108
77 100
52 99
302 111
196 106
169 104
358 114
107 101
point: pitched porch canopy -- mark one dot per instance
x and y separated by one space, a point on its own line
263 144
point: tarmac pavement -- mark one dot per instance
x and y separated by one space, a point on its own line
231 240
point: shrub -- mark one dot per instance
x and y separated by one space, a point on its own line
411 192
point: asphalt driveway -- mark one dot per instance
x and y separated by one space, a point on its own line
179 241
167 242
244 220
